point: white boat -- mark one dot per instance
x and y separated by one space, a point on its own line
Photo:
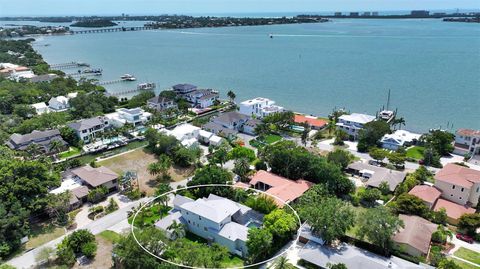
128 77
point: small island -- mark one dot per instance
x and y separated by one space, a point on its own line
94 23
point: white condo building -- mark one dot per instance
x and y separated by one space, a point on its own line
259 107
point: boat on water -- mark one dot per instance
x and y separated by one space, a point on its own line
128 77
146 86
270 35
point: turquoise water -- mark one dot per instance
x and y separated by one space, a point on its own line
432 67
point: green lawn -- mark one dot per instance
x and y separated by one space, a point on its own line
352 232
110 236
463 264
270 139
415 152
148 216
42 234
232 261
468 255
72 151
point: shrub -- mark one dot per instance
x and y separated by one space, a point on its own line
89 249
260 165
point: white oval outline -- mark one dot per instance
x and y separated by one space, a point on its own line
295 241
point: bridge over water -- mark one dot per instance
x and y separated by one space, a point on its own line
108 30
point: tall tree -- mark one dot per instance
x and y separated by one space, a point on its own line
232 96
177 230
330 219
259 242
378 225
242 168
371 134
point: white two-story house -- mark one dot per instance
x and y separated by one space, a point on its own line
353 123
133 116
259 107
217 219
467 141
58 103
459 184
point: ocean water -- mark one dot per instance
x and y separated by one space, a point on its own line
431 67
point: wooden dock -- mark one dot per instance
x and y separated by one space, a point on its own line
69 65
126 92
109 82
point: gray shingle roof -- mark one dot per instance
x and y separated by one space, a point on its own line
217 129
33 136
184 87
95 176
86 123
232 116
159 100
392 177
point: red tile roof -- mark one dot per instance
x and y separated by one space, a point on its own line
458 175
468 132
283 188
416 233
454 211
312 121
426 193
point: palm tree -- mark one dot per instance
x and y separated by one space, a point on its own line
55 146
232 96
164 163
177 230
154 169
282 263
34 150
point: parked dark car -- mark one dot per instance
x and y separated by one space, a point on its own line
465 238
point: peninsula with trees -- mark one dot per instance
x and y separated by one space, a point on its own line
94 23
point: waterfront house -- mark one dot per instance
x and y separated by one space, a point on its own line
285 189
96 177
58 103
40 108
43 139
132 116
375 175
414 238
202 98
259 107
314 122
88 129
353 123
459 184
399 138
160 103
216 219
467 142
231 120
182 89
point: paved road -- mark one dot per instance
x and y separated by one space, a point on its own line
115 221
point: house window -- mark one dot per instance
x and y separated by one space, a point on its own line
200 218
189 221
205 229
478 189
461 190
460 198
451 195
453 187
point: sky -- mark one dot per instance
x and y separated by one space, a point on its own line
155 7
